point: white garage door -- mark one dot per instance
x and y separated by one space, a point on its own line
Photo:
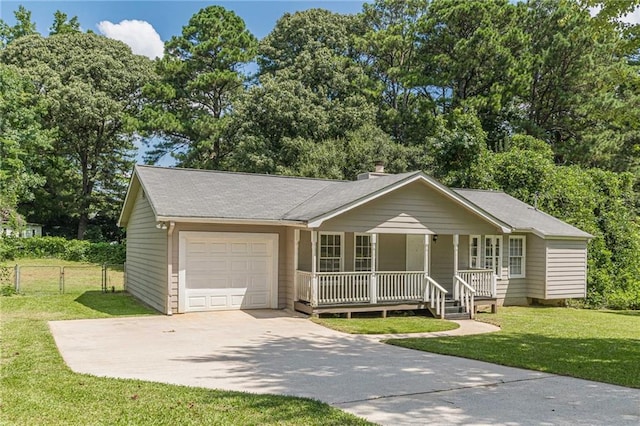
225 270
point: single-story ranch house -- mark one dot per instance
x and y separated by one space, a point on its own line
201 240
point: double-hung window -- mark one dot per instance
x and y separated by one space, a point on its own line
362 255
517 256
330 258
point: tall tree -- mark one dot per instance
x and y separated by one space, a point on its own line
62 24
199 76
23 27
470 51
311 92
390 51
21 141
92 89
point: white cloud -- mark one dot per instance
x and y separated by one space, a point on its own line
139 35
629 18
632 18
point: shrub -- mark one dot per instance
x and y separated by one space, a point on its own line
61 248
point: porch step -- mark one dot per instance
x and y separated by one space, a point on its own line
453 310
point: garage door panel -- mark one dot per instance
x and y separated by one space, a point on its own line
223 271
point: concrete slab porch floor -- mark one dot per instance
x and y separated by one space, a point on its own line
281 353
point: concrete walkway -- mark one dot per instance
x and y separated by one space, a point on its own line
275 352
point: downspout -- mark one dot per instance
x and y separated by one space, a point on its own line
169 265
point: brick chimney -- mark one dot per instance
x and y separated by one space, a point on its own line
378 171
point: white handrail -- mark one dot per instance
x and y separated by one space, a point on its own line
466 294
435 294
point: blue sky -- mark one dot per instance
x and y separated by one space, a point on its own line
166 17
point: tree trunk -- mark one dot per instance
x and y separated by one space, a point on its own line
82 225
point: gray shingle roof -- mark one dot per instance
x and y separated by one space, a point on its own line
192 193
519 215
208 194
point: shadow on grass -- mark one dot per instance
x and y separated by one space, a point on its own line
629 313
117 304
609 360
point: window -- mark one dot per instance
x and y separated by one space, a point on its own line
330 259
362 257
474 251
492 253
486 253
517 255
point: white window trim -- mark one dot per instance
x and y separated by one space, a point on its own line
500 256
319 249
355 235
524 256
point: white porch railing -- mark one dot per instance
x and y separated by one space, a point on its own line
394 286
303 285
483 281
358 287
465 294
343 287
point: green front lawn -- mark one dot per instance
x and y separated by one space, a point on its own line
37 387
596 345
390 325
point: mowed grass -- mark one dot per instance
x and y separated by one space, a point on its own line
596 345
50 276
37 388
389 325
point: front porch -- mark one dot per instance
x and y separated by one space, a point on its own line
374 289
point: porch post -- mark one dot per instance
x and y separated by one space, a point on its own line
314 265
427 240
296 245
373 289
456 240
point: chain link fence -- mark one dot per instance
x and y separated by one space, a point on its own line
36 280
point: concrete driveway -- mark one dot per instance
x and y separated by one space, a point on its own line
276 352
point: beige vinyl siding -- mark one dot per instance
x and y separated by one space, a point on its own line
535 267
349 252
463 251
392 250
304 251
415 208
285 248
566 269
146 256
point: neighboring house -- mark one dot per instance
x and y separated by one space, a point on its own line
201 240
27 231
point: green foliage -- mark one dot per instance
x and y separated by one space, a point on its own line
73 250
23 27
21 141
597 201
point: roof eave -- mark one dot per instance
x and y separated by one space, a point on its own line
231 221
